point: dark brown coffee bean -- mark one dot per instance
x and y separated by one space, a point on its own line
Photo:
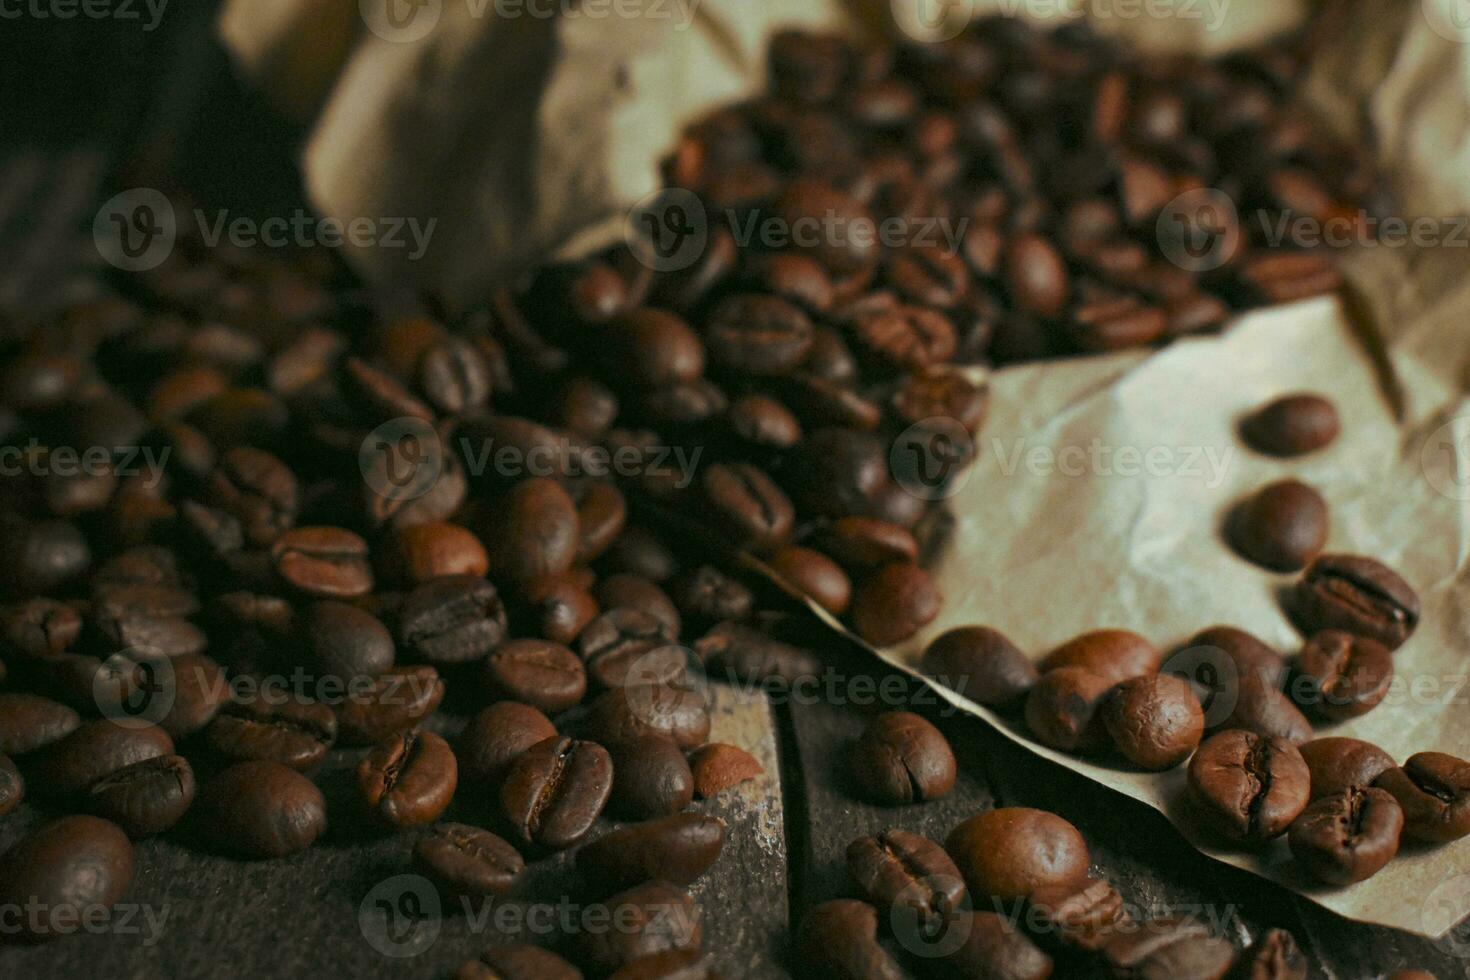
409 780
329 562
1083 915
1247 653
928 275
1357 595
602 513
1063 709
763 422
586 406
745 653
895 602
1282 527
1433 789
1036 276
1292 425
195 692
63 870
677 848
907 338
707 594
96 749
865 542
1109 323
994 947
645 920
145 798
815 576
39 627
649 709
1276 956
1264 709
467 861
496 737
900 870
651 778
653 349
44 556
1179 949
1348 836
628 646
545 675
718 766
452 620
902 758
261 810
758 335
1011 853
345 642
555 790
560 605
940 393
418 554
625 591
537 532
1247 787
259 490
839 939
1155 721
838 231
12 786
747 503
1341 676
517 962
453 376
1340 763
981 664
1116 655
396 701
292 732
29 722
378 396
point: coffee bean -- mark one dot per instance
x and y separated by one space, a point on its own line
64 869
706 594
1155 721
496 737
1010 853
895 602
261 810
763 422
396 701
537 532
814 575
418 554
757 335
865 542
1337 764
809 202
1035 276
981 664
586 406
677 848
29 722
839 939
652 348
292 732
940 393
345 642
902 758
1276 956
650 778
1248 787
1282 527
748 504
1357 595
12 786
453 376
1083 915
554 791
1063 709
145 798
408 780
1348 836
1180 949
718 766
452 620
994 947
1247 653
259 490
467 861
547 676
44 556
1433 789
327 562
897 869
649 709
907 338
602 513
745 653
39 627
96 749
1292 425
1116 655
648 919
517 962
1341 676
625 591
198 690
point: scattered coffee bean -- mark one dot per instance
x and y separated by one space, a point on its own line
465 861
1282 527
902 758
554 791
452 620
1063 709
29 722
537 532
409 780
648 919
677 848
1248 787
1348 836
1341 676
1116 655
1337 764
293 733
1155 721
96 749
718 766
649 709
147 797
994 947
1011 853
65 868
496 737
839 939
345 642
650 778
423 552
981 664
814 575
743 653
396 701
1275 956
895 602
1357 595
897 868
1292 425
261 810
1083 915
1180 949
1433 789
327 562
545 675
1247 655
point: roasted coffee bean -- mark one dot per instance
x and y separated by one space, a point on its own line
452 620
1247 654
96 749
1276 956
902 758
1282 527
1011 853
195 692
812 202
259 490
718 766
752 334
517 962
1337 764
815 576
555 790
1082 915
39 627
409 780
145 798
706 594
453 376
66 868
652 349
44 556
345 642
641 552
651 918
649 709
12 786
1341 676
651 778
1176 949
396 701
1116 655
1348 836
418 554
292 732
1155 721
465 861
745 653
677 848
29 722
1248 787
560 605
1433 789
865 542
328 562
747 503
1292 425
1357 595
537 532
602 513
907 338
940 393
545 675
895 602
261 810
993 947
586 406
900 870
981 664
1035 276
1063 709
496 737
839 939
625 591
763 422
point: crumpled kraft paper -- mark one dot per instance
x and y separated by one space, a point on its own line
1101 483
